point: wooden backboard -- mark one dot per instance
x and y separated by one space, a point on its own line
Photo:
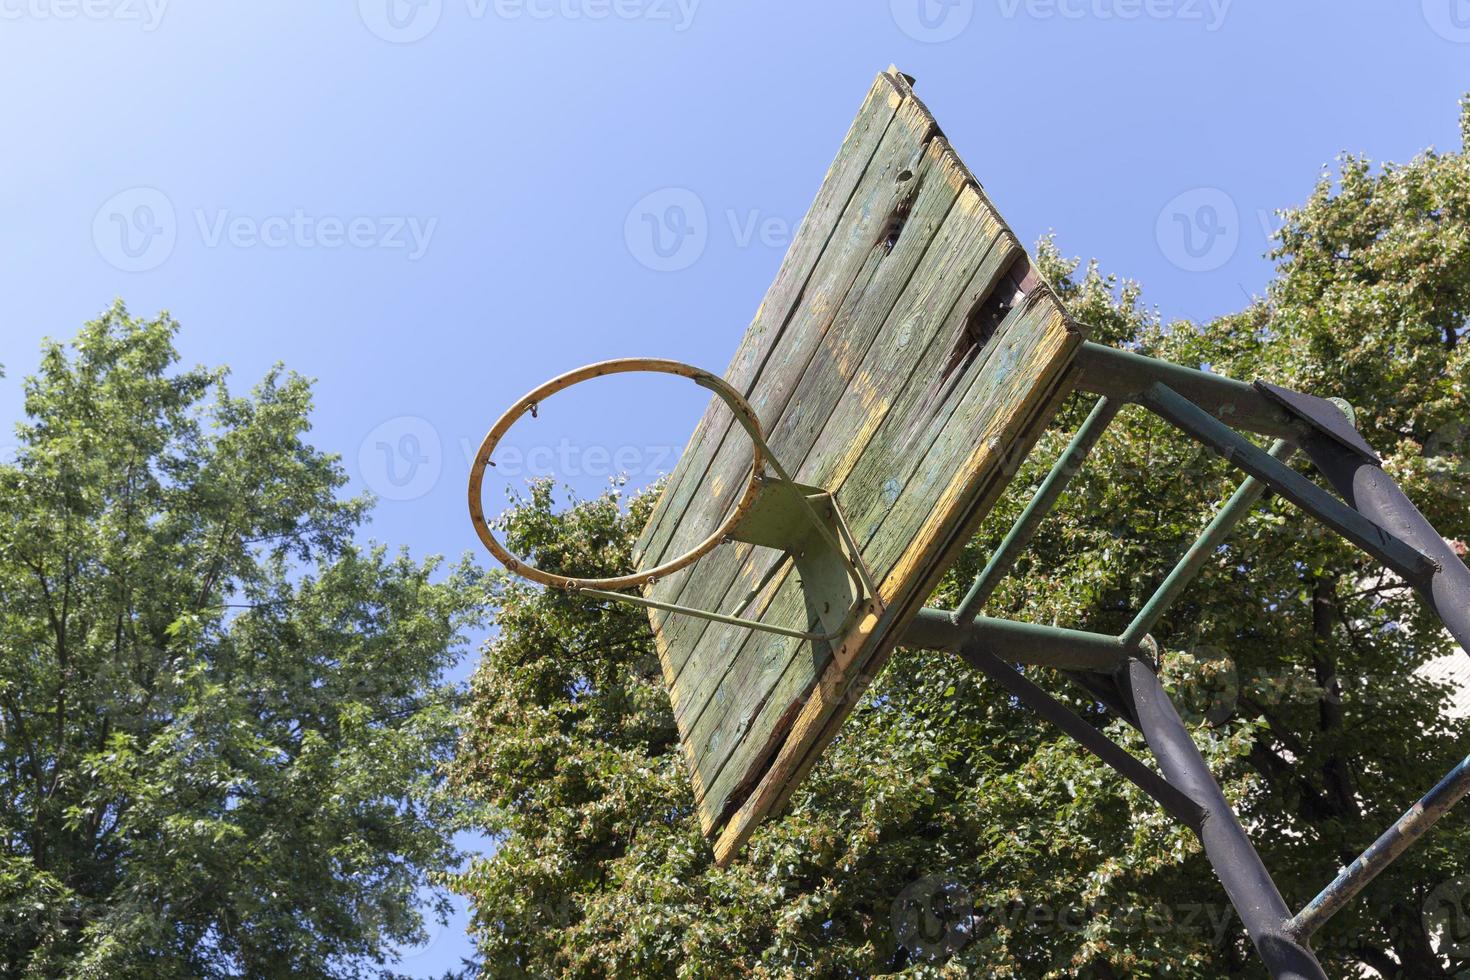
905 358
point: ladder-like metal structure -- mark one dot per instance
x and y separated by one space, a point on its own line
1369 510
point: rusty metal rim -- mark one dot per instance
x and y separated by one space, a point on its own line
744 414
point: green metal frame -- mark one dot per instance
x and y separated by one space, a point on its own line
1116 669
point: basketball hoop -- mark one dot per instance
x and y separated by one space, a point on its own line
744 414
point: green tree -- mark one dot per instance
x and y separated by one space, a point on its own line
219 717
1294 656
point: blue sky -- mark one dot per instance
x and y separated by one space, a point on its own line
432 205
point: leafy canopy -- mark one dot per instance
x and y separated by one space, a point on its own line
219 717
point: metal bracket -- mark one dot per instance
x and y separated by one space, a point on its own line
1323 415
805 523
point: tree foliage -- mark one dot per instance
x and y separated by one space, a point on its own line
219 717
1292 654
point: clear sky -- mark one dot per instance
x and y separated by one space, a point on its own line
432 205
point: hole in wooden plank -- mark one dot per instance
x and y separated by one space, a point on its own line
893 227
988 314
977 330
766 758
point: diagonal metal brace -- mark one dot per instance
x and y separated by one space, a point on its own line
1383 852
1176 803
1026 526
1412 564
1374 493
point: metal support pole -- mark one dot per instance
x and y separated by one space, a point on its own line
1021 533
1235 509
1179 805
1240 451
1023 643
1382 852
1373 492
1262 910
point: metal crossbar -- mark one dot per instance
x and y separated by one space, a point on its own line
1382 852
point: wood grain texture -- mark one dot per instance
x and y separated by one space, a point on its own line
906 358
807 246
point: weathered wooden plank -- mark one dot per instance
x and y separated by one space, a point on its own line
726 576
780 783
811 239
920 330
886 497
829 704
884 372
995 399
884 187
